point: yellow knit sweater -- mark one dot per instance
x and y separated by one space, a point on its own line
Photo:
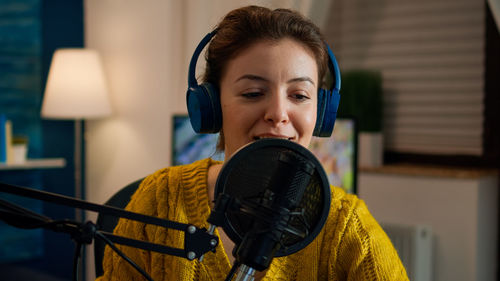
351 246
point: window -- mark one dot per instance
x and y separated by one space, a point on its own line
431 55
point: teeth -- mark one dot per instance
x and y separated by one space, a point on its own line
283 138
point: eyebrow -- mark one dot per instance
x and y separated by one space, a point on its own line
260 78
301 79
252 77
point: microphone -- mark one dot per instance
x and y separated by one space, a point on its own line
273 199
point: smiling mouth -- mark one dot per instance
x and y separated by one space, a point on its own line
273 137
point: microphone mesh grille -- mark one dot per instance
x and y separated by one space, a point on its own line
243 184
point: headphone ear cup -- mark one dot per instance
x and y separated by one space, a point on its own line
216 115
328 103
320 111
203 104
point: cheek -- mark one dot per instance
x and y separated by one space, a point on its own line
235 124
230 116
306 120
310 121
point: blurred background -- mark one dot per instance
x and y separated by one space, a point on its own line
419 81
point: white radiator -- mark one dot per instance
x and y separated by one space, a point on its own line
414 246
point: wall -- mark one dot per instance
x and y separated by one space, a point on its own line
139 46
462 212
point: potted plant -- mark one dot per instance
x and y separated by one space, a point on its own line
361 98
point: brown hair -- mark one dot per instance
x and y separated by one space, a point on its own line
242 27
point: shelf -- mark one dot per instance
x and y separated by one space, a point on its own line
46 163
430 170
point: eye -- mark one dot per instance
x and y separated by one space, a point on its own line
252 95
300 96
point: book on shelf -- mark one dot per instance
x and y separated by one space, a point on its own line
8 141
3 140
6 150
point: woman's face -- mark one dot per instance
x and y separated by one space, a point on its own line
269 91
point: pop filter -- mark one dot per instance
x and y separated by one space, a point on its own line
280 188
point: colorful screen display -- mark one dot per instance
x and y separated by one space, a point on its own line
337 154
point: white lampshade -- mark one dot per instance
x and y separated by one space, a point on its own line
76 86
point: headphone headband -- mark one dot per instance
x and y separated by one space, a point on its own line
203 101
194 59
333 65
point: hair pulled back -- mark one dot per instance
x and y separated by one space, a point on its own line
242 27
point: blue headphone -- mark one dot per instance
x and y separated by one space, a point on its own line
203 100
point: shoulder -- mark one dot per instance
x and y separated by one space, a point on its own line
362 240
173 175
343 208
344 203
348 218
350 209
167 182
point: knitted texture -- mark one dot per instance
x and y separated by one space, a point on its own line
351 246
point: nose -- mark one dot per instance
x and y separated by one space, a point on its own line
277 110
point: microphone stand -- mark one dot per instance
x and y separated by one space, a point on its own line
277 224
197 241
245 273
225 204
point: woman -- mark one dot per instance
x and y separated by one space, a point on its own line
268 66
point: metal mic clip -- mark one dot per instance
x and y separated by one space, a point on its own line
217 216
245 273
213 242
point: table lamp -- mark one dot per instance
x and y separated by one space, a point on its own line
76 90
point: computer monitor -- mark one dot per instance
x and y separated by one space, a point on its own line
337 154
188 146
